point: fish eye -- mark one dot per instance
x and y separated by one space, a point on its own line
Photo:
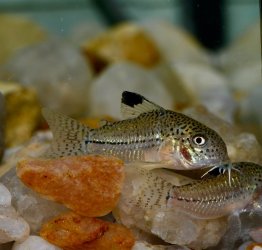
199 140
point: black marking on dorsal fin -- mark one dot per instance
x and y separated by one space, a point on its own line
131 99
133 104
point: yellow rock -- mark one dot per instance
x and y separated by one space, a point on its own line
16 33
23 113
126 42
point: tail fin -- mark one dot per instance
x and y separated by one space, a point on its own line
69 135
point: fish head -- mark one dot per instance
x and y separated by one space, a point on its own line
199 149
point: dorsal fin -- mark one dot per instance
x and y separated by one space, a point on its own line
133 104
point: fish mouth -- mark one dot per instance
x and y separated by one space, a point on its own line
188 161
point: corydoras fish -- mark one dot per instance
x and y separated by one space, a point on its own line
217 196
203 199
149 134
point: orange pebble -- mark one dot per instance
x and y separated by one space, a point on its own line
89 185
69 229
75 232
117 237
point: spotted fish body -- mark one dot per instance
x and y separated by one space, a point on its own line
216 196
150 134
202 199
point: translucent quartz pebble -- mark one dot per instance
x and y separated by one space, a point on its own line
208 87
152 215
243 51
239 77
36 147
250 108
33 243
106 89
31 206
65 86
243 228
248 96
12 227
5 196
175 44
89 185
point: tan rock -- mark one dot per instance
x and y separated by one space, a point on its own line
23 113
89 185
17 32
126 42
70 230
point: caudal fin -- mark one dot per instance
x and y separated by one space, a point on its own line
69 135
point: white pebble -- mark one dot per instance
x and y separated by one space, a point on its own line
12 227
33 243
5 196
106 90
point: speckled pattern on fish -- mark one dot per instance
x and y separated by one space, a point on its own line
217 196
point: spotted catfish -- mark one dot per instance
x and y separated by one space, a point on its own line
149 134
208 198
217 196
